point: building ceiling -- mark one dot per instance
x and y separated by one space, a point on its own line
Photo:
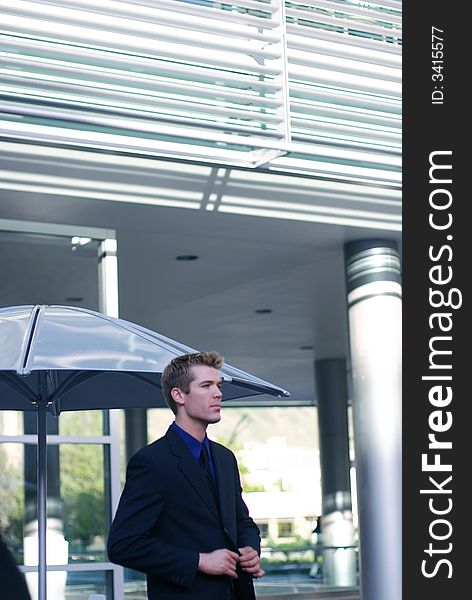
263 241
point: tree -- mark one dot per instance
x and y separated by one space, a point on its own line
82 482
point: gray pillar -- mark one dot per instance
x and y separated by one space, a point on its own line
374 310
135 430
54 544
54 503
135 439
337 532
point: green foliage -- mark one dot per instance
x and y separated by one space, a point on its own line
253 487
11 502
297 541
82 480
299 551
235 446
82 491
82 486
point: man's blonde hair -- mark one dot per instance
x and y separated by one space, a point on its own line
177 374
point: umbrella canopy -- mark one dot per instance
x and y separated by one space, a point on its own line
78 359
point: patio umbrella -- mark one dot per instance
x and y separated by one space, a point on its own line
55 358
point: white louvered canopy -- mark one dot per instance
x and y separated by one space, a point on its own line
311 86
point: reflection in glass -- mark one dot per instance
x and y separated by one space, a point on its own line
12 498
81 584
11 422
76 507
83 493
83 422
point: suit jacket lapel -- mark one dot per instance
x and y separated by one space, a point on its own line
187 464
225 482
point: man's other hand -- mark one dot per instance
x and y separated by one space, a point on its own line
218 562
250 561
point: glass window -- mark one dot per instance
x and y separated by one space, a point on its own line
80 584
285 529
135 587
82 492
12 497
264 529
76 501
11 422
87 422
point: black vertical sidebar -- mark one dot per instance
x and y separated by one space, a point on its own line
437 436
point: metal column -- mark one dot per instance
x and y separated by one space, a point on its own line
374 310
337 531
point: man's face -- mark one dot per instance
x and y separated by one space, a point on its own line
203 400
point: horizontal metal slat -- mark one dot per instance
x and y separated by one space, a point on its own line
305 126
395 4
78 136
346 98
199 73
142 124
351 41
366 11
140 83
333 133
166 42
176 13
50 92
348 113
343 24
228 5
323 61
157 24
191 58
338 48
353 82
381 150
212 9
108 142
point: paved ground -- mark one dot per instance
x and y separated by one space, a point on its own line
272 587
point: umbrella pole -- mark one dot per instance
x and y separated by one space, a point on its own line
42 494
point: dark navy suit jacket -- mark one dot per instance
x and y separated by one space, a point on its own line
167 516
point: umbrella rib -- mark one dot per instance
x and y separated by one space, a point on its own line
18 386
72 381
28 339
263 389
143 378
32 334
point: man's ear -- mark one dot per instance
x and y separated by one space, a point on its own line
177 396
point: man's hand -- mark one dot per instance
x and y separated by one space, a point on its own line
218 562
250 561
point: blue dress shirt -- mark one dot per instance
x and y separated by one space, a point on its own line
195 446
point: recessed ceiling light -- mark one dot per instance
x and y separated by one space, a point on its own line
263 311
306 347
74 299
187 257
80 241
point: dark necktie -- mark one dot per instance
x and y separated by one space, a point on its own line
205 466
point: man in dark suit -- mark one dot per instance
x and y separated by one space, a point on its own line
181 517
